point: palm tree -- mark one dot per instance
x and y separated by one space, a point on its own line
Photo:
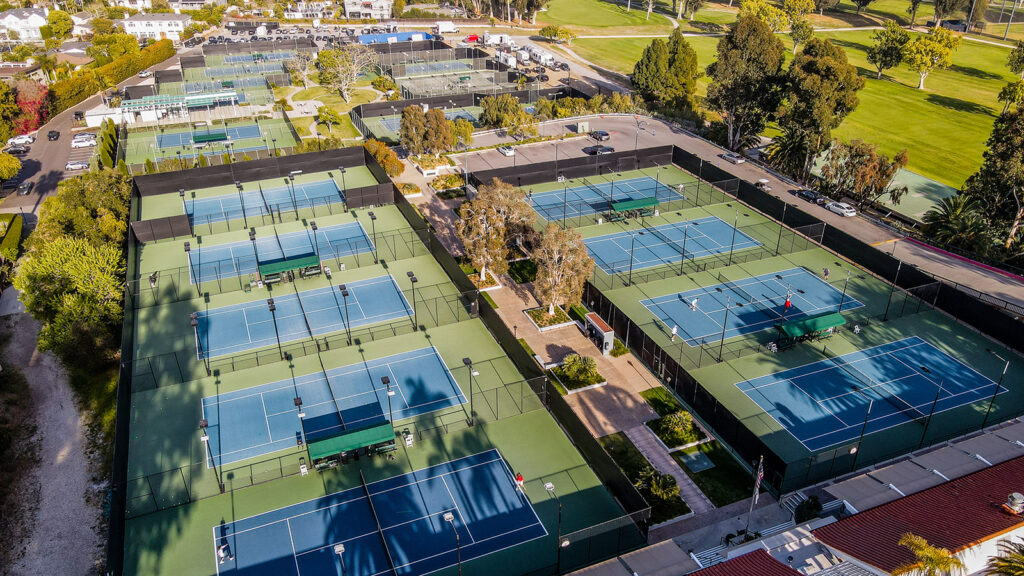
1009 562
788 151
957 221
928 560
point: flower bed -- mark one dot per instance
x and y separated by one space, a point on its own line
661 493
543 321
409 189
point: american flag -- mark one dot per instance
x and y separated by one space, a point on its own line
760 476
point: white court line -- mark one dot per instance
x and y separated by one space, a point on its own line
291 540
245 318
266 418
457 509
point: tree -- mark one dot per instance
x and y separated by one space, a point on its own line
33 100
106 48
887 51
957 221
563 266
397 8
9 166
932 51
822 90
385 156
504 111
102 25
412 129
822 5
510 202
862 4
1009 562
1012 95
928 560
9 111
462 132
797 9
1015 60
651 71
788 151
342 67
683 73
745 79
437 137
550 32
93 207
691 7
650 7
998 186
566 35
800 31
482 232
767 13
301 65
856 170
60 23
327 115
946 8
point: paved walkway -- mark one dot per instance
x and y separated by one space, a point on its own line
651 448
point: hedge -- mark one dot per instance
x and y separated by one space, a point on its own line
67 93
9 245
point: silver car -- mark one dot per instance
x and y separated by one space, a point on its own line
77 165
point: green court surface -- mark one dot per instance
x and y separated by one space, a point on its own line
166 142
171 205
922 195
385 128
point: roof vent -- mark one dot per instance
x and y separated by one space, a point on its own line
1015 503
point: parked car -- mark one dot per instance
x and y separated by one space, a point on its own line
84 136
763 185
563 66
21 140
806 194
841 208
145 74
539 69
733 158
600 135
25 188
16 150
543 77
598 150
507 150
83 143
77 165
53 135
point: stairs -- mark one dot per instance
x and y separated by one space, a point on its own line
710 557
793 500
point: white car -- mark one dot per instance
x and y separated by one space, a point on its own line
21 140
76 165
507 150
145 74
83 143
733 158
841 208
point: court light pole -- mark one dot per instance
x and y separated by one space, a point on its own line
565 198
273 316
632 243
931 412
241 202
344 188
373 227
999 385
316 239
297 401
560 543
892 288
205 439
725 322
180 166
386 381
188 256
450 519
468 362
291 178
344 298
181 194
194 323
863 428
682 260
415 317
339 549
732 243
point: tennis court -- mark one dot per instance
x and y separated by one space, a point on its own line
393 123
754 304
245 69
826 403
240 258
299 315
666 244
262 201
263 419
594 198
265 56
207 134
396 525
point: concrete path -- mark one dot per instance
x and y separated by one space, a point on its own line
648 444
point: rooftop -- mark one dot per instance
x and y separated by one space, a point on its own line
22 13
971 512
756 563
157 17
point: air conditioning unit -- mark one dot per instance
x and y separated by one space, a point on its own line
1015 503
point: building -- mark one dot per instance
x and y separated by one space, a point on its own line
11 70
756 563
134 4
376 9
81 24
24 23
309 10
156 26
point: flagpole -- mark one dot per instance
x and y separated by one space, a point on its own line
757 489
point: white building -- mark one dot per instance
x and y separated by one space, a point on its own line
156 26
24 22
376 9
133 4
309 10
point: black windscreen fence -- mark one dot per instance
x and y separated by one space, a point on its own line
578 167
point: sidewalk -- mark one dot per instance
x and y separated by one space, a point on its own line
648 444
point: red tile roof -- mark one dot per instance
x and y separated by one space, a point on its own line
954 515
756 563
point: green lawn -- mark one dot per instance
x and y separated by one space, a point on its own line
727 482
943 127
661 401
631 461
597 16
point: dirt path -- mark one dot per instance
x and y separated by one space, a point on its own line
63 528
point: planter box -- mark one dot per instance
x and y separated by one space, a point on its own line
571 391
497 283
569 322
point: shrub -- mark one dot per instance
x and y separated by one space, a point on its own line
807 510
384 83
150 168
386 157
619 348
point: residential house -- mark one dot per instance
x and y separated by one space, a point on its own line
81 24
309 10
156 26
376 9
11 70
133 4
24 22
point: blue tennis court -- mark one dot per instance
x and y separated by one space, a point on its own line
263 419
825 403
248 326
665 244
393 123
755 304
262 201
394 525
180 139
594 198
423 68
238 258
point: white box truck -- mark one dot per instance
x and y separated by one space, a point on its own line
544 58
445 28
508 59
524 57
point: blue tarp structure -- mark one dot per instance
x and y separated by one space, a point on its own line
398 37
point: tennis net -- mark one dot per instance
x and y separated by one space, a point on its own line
879 389
380 530
666 240
747 298
597 190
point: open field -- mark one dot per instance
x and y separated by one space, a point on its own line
600 17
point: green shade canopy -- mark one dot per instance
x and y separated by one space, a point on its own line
351 440
811 324
634 204
278 266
